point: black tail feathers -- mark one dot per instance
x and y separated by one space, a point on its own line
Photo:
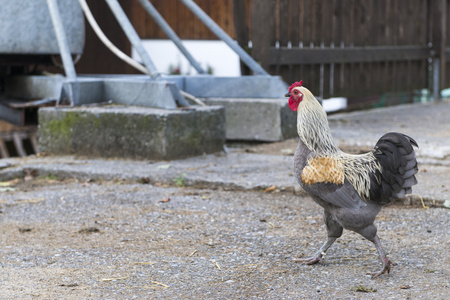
395 154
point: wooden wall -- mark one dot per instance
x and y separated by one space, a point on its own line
274 25
345 24
97 59
182 21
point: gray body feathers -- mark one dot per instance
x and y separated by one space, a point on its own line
394 179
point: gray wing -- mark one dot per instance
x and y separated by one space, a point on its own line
339 195
326 194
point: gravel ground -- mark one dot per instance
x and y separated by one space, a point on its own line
122 240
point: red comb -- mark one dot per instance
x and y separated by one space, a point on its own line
296 84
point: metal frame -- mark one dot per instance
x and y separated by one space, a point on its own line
132 36
151 10
63 44
221 34
156 90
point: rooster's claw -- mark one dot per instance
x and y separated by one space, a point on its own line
387 268
308 261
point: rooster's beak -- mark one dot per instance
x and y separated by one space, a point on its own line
287 95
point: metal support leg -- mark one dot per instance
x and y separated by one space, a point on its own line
17 139
63 44
151 10
72 90
245 57
133 37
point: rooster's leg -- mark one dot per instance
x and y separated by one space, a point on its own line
318 255
386 261
334 230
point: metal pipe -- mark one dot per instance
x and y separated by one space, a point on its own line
221 34
133 37
90 18
63 44
151 10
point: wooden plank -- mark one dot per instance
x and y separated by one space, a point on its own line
263 30
447 52
3 149
305 40
182 21
240 22
283 28
284 22
241 29
402 12
326 41
348 41
6 126
361 70
284 55
296 30
439 35
34 142
317 38
401 78
375 38
17 139
334 29
338 41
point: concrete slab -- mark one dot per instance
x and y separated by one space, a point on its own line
267 120
131 132
242 170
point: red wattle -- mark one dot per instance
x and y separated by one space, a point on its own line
293 104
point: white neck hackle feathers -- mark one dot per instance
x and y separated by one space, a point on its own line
312 125
315 133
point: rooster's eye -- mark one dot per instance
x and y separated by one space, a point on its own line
295 92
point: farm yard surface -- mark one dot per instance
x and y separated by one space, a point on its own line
224 226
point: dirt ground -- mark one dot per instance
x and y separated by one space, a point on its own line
125 240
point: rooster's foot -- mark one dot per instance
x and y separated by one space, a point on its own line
387 268
308 261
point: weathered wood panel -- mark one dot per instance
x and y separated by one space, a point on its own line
447 43
285 55
97 58
350 48
180 18
299 28
265 20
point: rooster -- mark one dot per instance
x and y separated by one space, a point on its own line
350 188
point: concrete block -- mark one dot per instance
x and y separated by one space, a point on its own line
131 132
268 120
